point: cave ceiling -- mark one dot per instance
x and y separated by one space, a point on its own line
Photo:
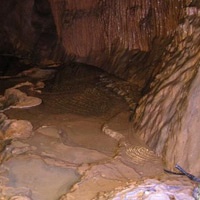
121 37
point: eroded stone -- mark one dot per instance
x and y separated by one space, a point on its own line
167 118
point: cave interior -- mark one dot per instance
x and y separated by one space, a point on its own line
99 99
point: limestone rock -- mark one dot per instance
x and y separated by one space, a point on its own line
106 33
20 198
167 117
19 129
14 98
151 189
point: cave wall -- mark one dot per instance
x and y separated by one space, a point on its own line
121 37
126 38
110 33
27 31
167 118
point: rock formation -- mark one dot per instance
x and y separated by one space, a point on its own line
117 36
168 116
153 44
109 34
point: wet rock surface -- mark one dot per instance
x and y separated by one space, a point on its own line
70 156
151 189
15 98
78 139
167 117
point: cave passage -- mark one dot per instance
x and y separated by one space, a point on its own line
81 134
82 126
96 98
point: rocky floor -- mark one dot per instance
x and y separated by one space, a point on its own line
81 146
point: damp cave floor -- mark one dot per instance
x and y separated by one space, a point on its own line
70 157
79 164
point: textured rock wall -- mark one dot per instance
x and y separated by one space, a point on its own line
122 37
108 33
167 118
